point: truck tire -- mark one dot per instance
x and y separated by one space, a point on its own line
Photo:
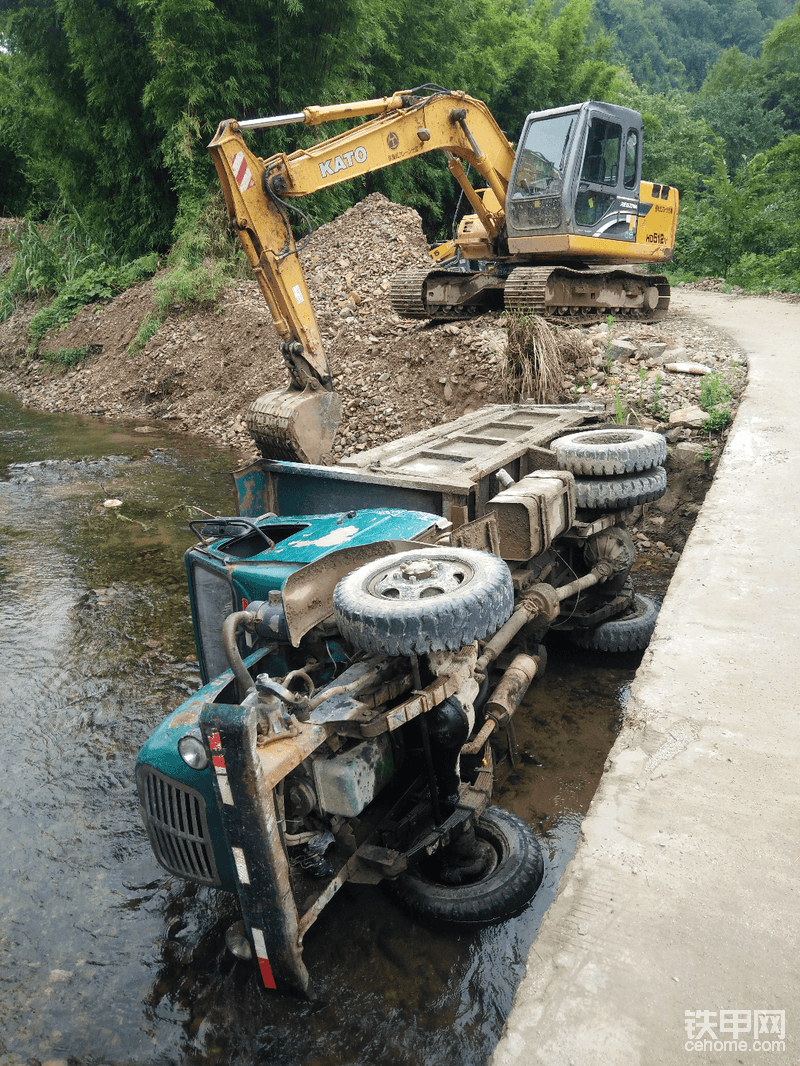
605 452
433 599
502 890
629 631
624 490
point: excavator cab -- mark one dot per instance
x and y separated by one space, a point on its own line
577 171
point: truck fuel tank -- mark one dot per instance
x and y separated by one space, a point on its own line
532 512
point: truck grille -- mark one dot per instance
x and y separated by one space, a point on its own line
175 818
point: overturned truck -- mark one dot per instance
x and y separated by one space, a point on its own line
365 633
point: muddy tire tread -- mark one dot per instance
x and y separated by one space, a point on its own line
610 451
503 894
622 491
445 623
629 632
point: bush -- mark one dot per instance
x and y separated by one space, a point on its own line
96 284
202 262
718 419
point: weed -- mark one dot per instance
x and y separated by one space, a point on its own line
619 408
70 356
656 407
716 394
718 419
715 391
706 455
534 366
184 283
149 325
62 260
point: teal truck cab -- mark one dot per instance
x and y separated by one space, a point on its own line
365 633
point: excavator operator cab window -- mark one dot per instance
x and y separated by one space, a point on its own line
537 181
631 159
601 161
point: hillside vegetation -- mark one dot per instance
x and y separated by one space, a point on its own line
106 107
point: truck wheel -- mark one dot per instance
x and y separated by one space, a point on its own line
504 886
617 493
610 451
629 631
433 599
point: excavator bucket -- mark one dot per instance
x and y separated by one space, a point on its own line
295 425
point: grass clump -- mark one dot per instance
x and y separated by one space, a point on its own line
70 356
714 391
718 419
534 366
716 396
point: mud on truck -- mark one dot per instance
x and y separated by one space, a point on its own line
366 631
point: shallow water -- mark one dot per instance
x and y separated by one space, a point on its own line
106 958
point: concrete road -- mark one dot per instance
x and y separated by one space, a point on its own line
675 936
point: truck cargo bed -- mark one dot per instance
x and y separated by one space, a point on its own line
448 470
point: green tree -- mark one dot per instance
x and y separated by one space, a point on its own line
673 43
731 72
679 148
777 70
14 189
713 229
75 74
740 120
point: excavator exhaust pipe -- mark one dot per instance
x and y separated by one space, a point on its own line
295 425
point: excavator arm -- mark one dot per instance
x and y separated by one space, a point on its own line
300 422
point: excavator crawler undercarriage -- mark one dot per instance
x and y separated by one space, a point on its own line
581 296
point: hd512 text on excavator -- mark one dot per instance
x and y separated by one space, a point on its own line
565 227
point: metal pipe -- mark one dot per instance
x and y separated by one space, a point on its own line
526 611
481 162
351 686
505 699
541 599
599 573
512 686
231 648
275 120
315 116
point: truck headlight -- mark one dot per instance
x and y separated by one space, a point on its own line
191 750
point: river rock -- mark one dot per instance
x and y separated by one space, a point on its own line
686 453
622 350
693 417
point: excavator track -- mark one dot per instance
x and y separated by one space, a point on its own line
584 296
562 294
445 295
407 294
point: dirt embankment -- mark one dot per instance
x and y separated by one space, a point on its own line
203 367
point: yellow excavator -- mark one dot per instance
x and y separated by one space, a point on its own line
565 227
